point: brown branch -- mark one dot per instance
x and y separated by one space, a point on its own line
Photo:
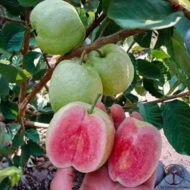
6 19
179 7
77 52
23 87
36 124
164 99
185 94
96 22
46 60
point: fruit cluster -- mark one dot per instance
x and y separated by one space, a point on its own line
80 134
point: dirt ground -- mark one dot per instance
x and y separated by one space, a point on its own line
170 156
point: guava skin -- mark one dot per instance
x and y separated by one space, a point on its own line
114 67
187 40
71 82
58 26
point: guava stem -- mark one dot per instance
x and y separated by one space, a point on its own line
94 104
81 58
100 53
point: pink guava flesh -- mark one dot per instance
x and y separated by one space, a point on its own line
118 114
135 154
78 139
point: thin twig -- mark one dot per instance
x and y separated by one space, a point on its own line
46 60
132 44
164 99
36 124
26 48
6 19
96 22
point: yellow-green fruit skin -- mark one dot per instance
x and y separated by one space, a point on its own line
71 82
58 26
114 67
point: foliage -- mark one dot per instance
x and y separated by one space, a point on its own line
158 53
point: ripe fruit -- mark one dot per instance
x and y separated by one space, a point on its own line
117 114
79 139
58 26
71 82
136 115
114 67
136 153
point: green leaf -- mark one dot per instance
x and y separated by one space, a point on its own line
35 149
25 155
5 184
31 61
176 117
12 6
148 70
146 14
4 87
144 39
18 140
164 37
179 53
159 54
9 172
151 113
182 26
2 133
152 87
9 109
32 135
12 37
29 3
11 73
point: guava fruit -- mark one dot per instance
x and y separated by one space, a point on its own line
136 152
114 67
118 114
79 139
58 26
136 115
71 82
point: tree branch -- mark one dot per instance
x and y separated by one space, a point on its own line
185 94
77 52
179 7
6 19
96 22
36 124
24 84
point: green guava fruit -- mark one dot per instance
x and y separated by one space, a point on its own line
114 67
80 139
72 81
58 26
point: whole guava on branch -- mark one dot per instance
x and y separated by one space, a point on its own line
72 81
114 67
80 139
58 26
136 152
